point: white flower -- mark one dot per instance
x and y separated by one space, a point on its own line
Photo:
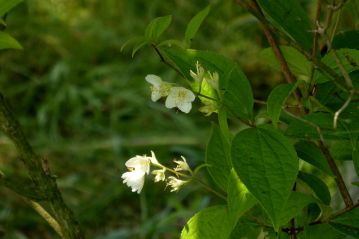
181 98
159 88
175 183
198 76
182 165
159 175
135 178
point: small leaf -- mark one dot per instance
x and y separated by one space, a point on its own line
210 223
219 163
239 198
347 223
156 27
346 39
276 99
310 153
139 44
267 164
195 23
7 5
8 42
317 185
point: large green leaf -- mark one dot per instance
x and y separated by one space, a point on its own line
156 27
317 185
8 42
219 162
290 17
348 223
276 99
310 153
297 62
267 164
239 198
7 5
195 23
210 223
234 85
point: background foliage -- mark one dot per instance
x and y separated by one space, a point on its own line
85 106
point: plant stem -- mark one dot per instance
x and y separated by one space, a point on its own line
41 178
338 177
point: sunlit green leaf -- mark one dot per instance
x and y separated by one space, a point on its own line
8 42
210 223
156 27
267 164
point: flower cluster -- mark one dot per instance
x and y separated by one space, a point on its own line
179 97
139 166
182 98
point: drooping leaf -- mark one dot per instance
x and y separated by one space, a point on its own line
195 23
317 185
310 153
219 162
7 5
239 198
293 206
290 17
267 164
156 27
276 99
8 42
297 62
347 223
237 92
210 223
346 39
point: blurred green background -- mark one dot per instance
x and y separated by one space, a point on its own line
85 107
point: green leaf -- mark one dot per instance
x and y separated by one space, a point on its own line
210 223
239 198
297 62
237 92
267 164
347 223
7 5
238 97
156 27
317 185
293 206
276 99
140 43
346 39
219 162
8 42
195 23
355 156
310 153
246 230
320 231
290 17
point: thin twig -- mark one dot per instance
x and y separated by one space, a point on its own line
344 106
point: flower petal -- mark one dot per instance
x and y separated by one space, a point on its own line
139 163
154 80
185 107
134 179
170 101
